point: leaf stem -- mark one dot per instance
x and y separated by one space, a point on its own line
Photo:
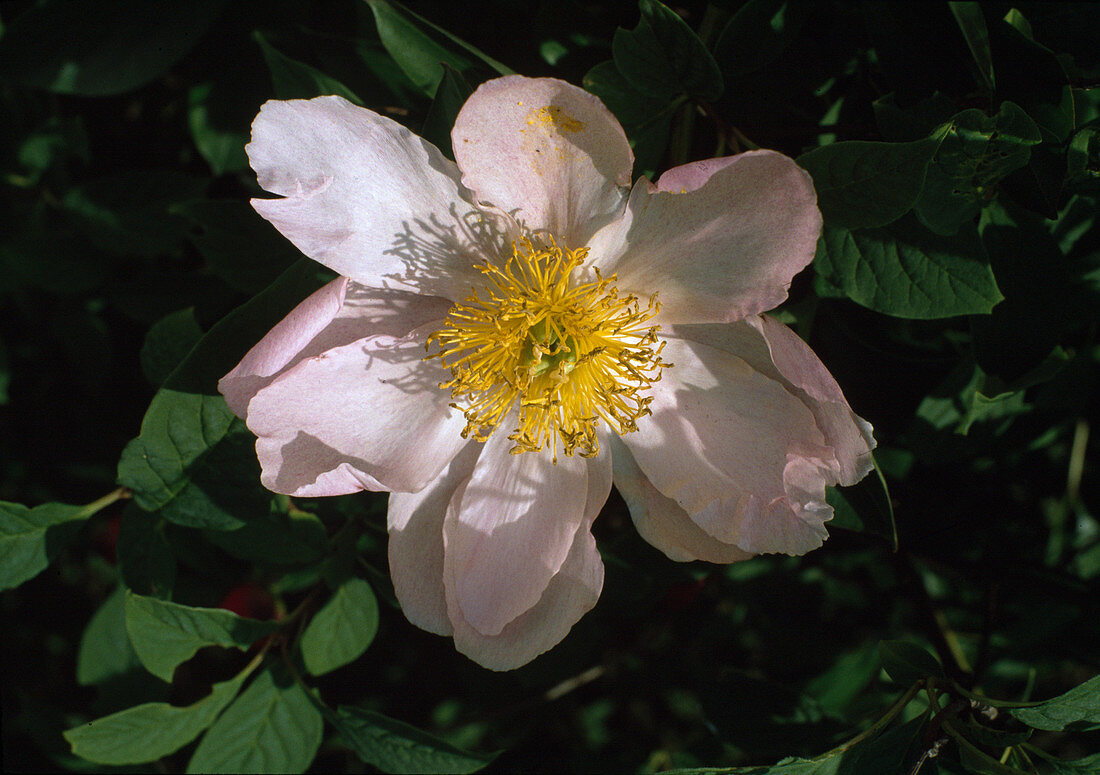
116 495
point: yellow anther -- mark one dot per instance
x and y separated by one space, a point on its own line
564 353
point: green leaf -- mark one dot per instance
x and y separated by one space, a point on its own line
1046 301
276 539
297 80
189 432
342 629
31 538
757 34
452 92
167 344
272 727
1076 710
422 49
393 746
241 248
892 751
662 55
906 271
105 651
101 47
166 634
645 116
1089 765
978 152
862 184
865 508
145 559
907 662
147 732
958 402
128 213
219 138
972 23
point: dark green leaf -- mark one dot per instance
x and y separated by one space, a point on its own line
1030 75
166 634
757 34
971 21
907 271
147 732
145 559
865 508
889 752
342 629
977 154
663 56
645 116
452 92
393 746
187 421
959 401
1089 765
297 80
907 662
105 651
31 538
220 144
129 212
272 727
167 344
864 184
241 248
421 48
275 539
1077 709
101 47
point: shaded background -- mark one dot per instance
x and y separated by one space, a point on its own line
125 188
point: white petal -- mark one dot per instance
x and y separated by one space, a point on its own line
372 409
336 315
720 443
570 594
660 521
717 239
368 198
547 152
415 522
509 531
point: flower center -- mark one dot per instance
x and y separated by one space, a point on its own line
570 353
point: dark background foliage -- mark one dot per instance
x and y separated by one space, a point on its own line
954 297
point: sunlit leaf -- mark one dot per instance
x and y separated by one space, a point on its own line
165 634
271 727
342 629
147 732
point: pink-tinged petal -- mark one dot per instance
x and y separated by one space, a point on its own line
660 521
716 240
366 197
720 444
415 521
777 352
509 531
570 594
849 435
371 410
545 151
336 315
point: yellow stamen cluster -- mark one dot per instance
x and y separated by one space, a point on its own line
566 353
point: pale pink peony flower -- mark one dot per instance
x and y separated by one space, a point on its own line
511 334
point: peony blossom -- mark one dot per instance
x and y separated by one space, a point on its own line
511 334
